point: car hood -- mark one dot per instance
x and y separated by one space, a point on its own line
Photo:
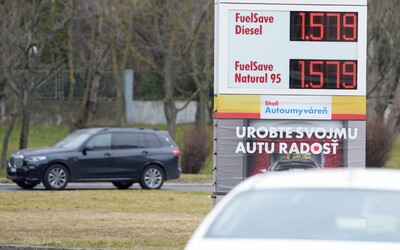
41 151
255 244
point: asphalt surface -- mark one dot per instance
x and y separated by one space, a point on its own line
108 186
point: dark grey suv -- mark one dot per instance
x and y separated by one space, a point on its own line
122 156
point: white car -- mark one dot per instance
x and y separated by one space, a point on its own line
352 208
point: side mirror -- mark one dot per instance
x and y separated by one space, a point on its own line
87 148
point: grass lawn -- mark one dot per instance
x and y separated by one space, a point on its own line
131 219
394 158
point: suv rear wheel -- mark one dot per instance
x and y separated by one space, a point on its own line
152 177
56 177
122 184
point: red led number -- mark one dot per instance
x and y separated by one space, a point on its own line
350 27
349 70
335 16
316 26
303 27
316 73
336 64
323 74
323 26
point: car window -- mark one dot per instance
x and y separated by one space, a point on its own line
100 142
318 214
129 141
152 141
72 140
167 138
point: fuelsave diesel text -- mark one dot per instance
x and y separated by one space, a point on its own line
242 21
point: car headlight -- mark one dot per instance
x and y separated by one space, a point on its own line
36 158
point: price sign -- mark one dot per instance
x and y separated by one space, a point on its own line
268 47
290 82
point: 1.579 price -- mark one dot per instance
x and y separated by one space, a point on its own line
323 26
323 74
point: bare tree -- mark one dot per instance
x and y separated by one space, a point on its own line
383 56
28 33
201 57
13 117
91 52
383 88
120 18
162 41
3 99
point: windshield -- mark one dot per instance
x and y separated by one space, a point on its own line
73 140
323 214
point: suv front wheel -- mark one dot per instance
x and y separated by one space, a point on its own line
152 177
122 184
56 177
26 184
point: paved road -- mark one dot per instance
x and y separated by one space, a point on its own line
109 186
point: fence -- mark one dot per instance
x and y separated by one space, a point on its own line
60 87
50 106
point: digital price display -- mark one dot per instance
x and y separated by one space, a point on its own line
315 48
323 26
323 74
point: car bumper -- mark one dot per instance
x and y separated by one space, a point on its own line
23 173
173 173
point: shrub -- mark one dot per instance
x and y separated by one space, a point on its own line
380 140
196 146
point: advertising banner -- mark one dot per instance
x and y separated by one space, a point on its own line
246 147
290 107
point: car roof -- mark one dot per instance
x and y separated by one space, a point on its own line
353 178
357 178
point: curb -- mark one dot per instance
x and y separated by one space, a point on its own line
169 182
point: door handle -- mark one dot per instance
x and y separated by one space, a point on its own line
107 154
145 152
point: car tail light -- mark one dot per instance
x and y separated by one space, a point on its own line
176 152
